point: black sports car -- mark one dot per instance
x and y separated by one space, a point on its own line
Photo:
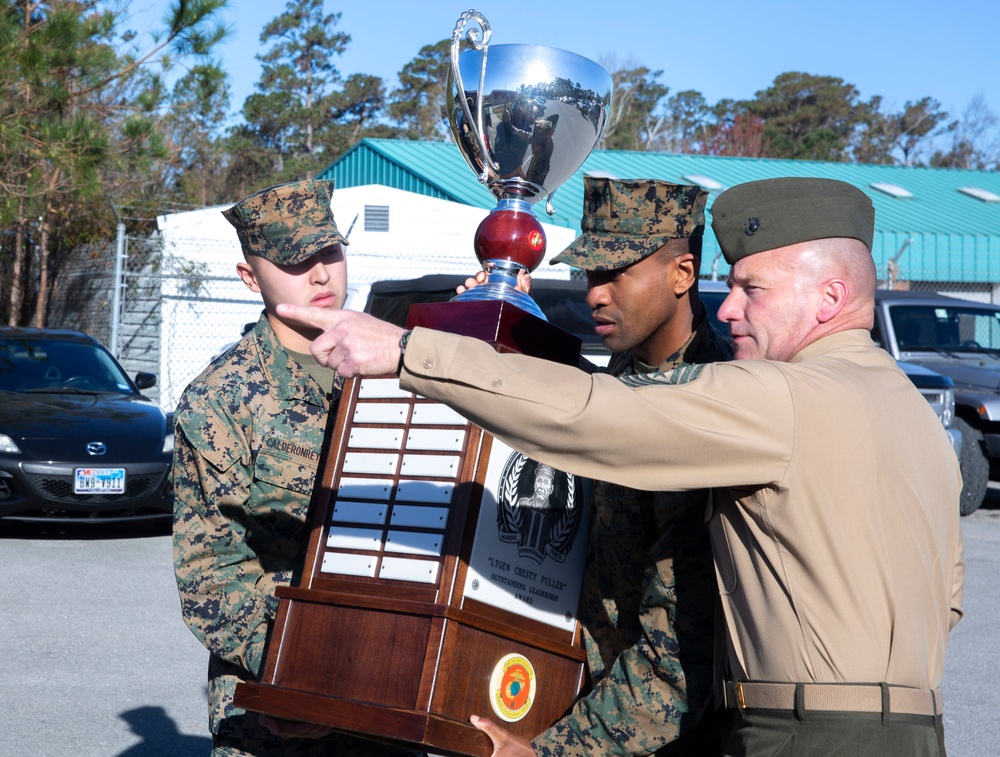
78 441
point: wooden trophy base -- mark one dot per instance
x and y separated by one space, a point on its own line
380 692
413 611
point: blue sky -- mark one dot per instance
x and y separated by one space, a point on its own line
902 50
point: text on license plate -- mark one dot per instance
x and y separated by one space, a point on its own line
99 481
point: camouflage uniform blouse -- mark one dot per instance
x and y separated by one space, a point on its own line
249 432
647 608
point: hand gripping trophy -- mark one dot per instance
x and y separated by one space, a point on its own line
525 118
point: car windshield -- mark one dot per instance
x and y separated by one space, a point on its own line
713 301
946 328
54 366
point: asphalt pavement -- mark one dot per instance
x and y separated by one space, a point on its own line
97 662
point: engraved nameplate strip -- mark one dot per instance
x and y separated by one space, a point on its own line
431 492
382 389
419 517
359 512
438 440
414 543
364 488
439 466
349 565
376 438
361 462
432 414
380 412
403 569
340 537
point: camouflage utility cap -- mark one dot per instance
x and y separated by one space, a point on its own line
624 221
764 215
286 223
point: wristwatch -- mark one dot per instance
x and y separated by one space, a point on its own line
402 348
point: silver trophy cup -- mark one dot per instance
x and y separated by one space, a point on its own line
525 118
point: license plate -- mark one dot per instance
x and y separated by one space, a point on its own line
99 481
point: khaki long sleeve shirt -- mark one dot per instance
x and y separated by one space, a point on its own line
834 516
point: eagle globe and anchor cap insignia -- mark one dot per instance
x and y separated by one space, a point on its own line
512 687
538 509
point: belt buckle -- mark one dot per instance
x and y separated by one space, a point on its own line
741 701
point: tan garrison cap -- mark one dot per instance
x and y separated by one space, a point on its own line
764 215
624 221
286 223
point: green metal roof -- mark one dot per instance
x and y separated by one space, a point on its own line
938 233
436 169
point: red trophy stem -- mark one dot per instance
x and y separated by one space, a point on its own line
510 234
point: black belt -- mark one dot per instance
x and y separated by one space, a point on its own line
832 697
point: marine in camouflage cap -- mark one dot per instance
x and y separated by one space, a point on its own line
286 223
772 213
627 220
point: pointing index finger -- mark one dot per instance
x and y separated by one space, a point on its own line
320 318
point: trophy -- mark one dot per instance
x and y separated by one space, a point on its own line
525 118
444 568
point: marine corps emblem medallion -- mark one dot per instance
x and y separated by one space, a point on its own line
512 687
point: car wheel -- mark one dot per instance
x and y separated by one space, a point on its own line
975 468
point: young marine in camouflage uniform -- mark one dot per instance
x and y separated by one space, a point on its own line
249 431
648 600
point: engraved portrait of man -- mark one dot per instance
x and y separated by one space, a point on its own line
538 509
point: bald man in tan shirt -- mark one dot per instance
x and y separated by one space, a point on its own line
834 515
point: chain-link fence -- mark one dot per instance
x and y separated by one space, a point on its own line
205 308
82 296
83 299
176 313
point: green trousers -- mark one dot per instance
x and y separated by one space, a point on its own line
766 733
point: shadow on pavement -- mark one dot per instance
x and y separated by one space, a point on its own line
90 530
160 736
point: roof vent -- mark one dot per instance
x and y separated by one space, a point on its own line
704 182
599 174
376 217
893 190
980 194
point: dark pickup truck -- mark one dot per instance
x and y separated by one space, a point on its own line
959 339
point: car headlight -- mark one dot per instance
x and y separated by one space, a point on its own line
168 439
7 445
948 407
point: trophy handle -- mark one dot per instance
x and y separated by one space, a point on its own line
473 38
